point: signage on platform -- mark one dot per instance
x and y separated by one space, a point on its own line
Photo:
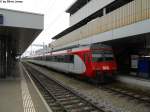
1 19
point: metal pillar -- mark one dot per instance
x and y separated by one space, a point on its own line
3 59
7 57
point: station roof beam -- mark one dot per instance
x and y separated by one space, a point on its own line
20 28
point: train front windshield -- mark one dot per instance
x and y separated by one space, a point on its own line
102 55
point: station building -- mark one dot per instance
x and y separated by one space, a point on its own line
122 24
18 29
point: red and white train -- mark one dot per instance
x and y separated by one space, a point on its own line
92 61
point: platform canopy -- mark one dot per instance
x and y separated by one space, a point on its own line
19 29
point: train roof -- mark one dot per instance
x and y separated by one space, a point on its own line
92 46
74 48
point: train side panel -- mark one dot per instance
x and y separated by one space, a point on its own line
78 67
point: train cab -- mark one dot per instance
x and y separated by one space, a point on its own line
100 62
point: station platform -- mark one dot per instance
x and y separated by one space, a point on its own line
19 94
134 81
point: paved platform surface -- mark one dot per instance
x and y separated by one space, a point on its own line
18 94
10 96
135 81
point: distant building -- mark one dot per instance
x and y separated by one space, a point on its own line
43 51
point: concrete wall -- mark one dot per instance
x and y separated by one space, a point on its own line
88 9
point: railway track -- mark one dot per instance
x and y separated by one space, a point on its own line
59 97
127 93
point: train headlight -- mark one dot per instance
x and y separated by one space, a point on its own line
105 68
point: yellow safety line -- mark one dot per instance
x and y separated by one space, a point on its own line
26 97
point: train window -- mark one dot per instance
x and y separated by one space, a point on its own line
97 59
68 59
56 59
49 58
109 58
102 56
102 52
46 58
63 58
71 58
60 58
38 58
97 52
52 58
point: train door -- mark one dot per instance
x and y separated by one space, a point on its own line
70 60
87 62
79 64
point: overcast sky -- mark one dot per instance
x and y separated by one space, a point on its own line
55 18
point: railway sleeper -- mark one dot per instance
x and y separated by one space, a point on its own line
64 96
71 98
81 107
71 102
54 92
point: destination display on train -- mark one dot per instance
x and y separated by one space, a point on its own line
1 19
